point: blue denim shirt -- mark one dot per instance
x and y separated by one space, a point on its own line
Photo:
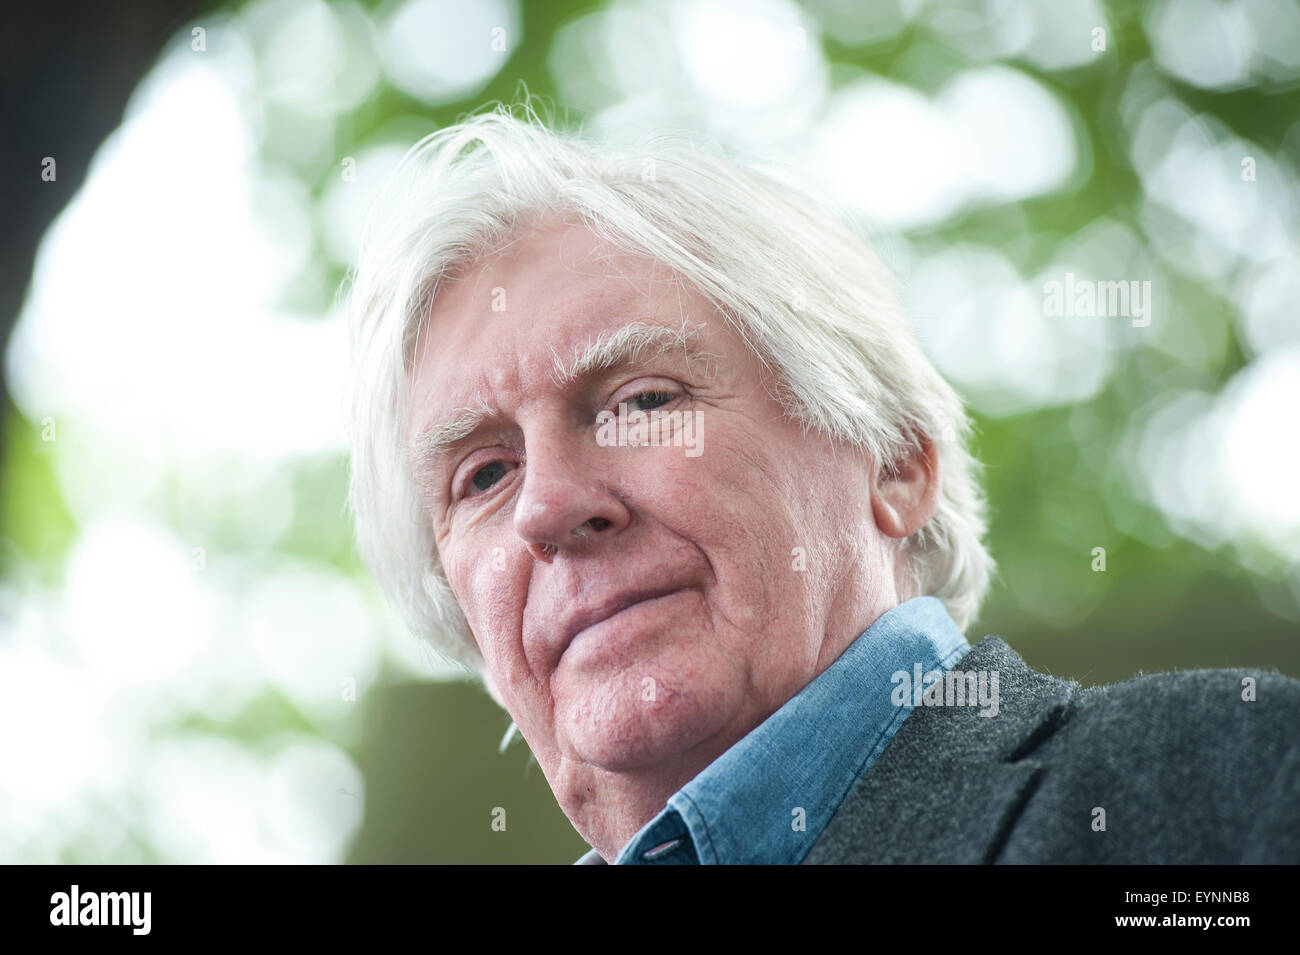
768 798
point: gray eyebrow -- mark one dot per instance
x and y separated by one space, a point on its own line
436 440
611 348
626 344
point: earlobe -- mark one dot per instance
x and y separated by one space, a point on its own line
904 499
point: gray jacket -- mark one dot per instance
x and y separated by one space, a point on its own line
1177 768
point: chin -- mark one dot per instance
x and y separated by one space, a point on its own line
618 727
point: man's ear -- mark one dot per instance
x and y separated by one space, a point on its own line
905 496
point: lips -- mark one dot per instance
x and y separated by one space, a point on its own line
583 619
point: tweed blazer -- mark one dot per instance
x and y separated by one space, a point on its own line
1199 766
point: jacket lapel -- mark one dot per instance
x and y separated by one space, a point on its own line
951 785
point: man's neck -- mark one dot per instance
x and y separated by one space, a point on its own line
609 808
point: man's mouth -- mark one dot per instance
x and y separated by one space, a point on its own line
586 619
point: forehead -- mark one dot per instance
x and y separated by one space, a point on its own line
559 271
503 321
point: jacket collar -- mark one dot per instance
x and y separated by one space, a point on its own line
952 783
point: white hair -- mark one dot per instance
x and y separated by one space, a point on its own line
806 294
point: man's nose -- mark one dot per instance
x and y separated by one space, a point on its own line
565 502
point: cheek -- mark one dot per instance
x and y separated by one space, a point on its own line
732 504
490 589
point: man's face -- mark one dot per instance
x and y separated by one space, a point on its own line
705 587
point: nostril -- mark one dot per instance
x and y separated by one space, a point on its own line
598 523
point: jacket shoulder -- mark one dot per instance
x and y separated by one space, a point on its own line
1182 766
1245 713
1177 767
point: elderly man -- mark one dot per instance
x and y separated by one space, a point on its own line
645 440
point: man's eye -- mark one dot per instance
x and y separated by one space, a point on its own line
650 399
488 475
